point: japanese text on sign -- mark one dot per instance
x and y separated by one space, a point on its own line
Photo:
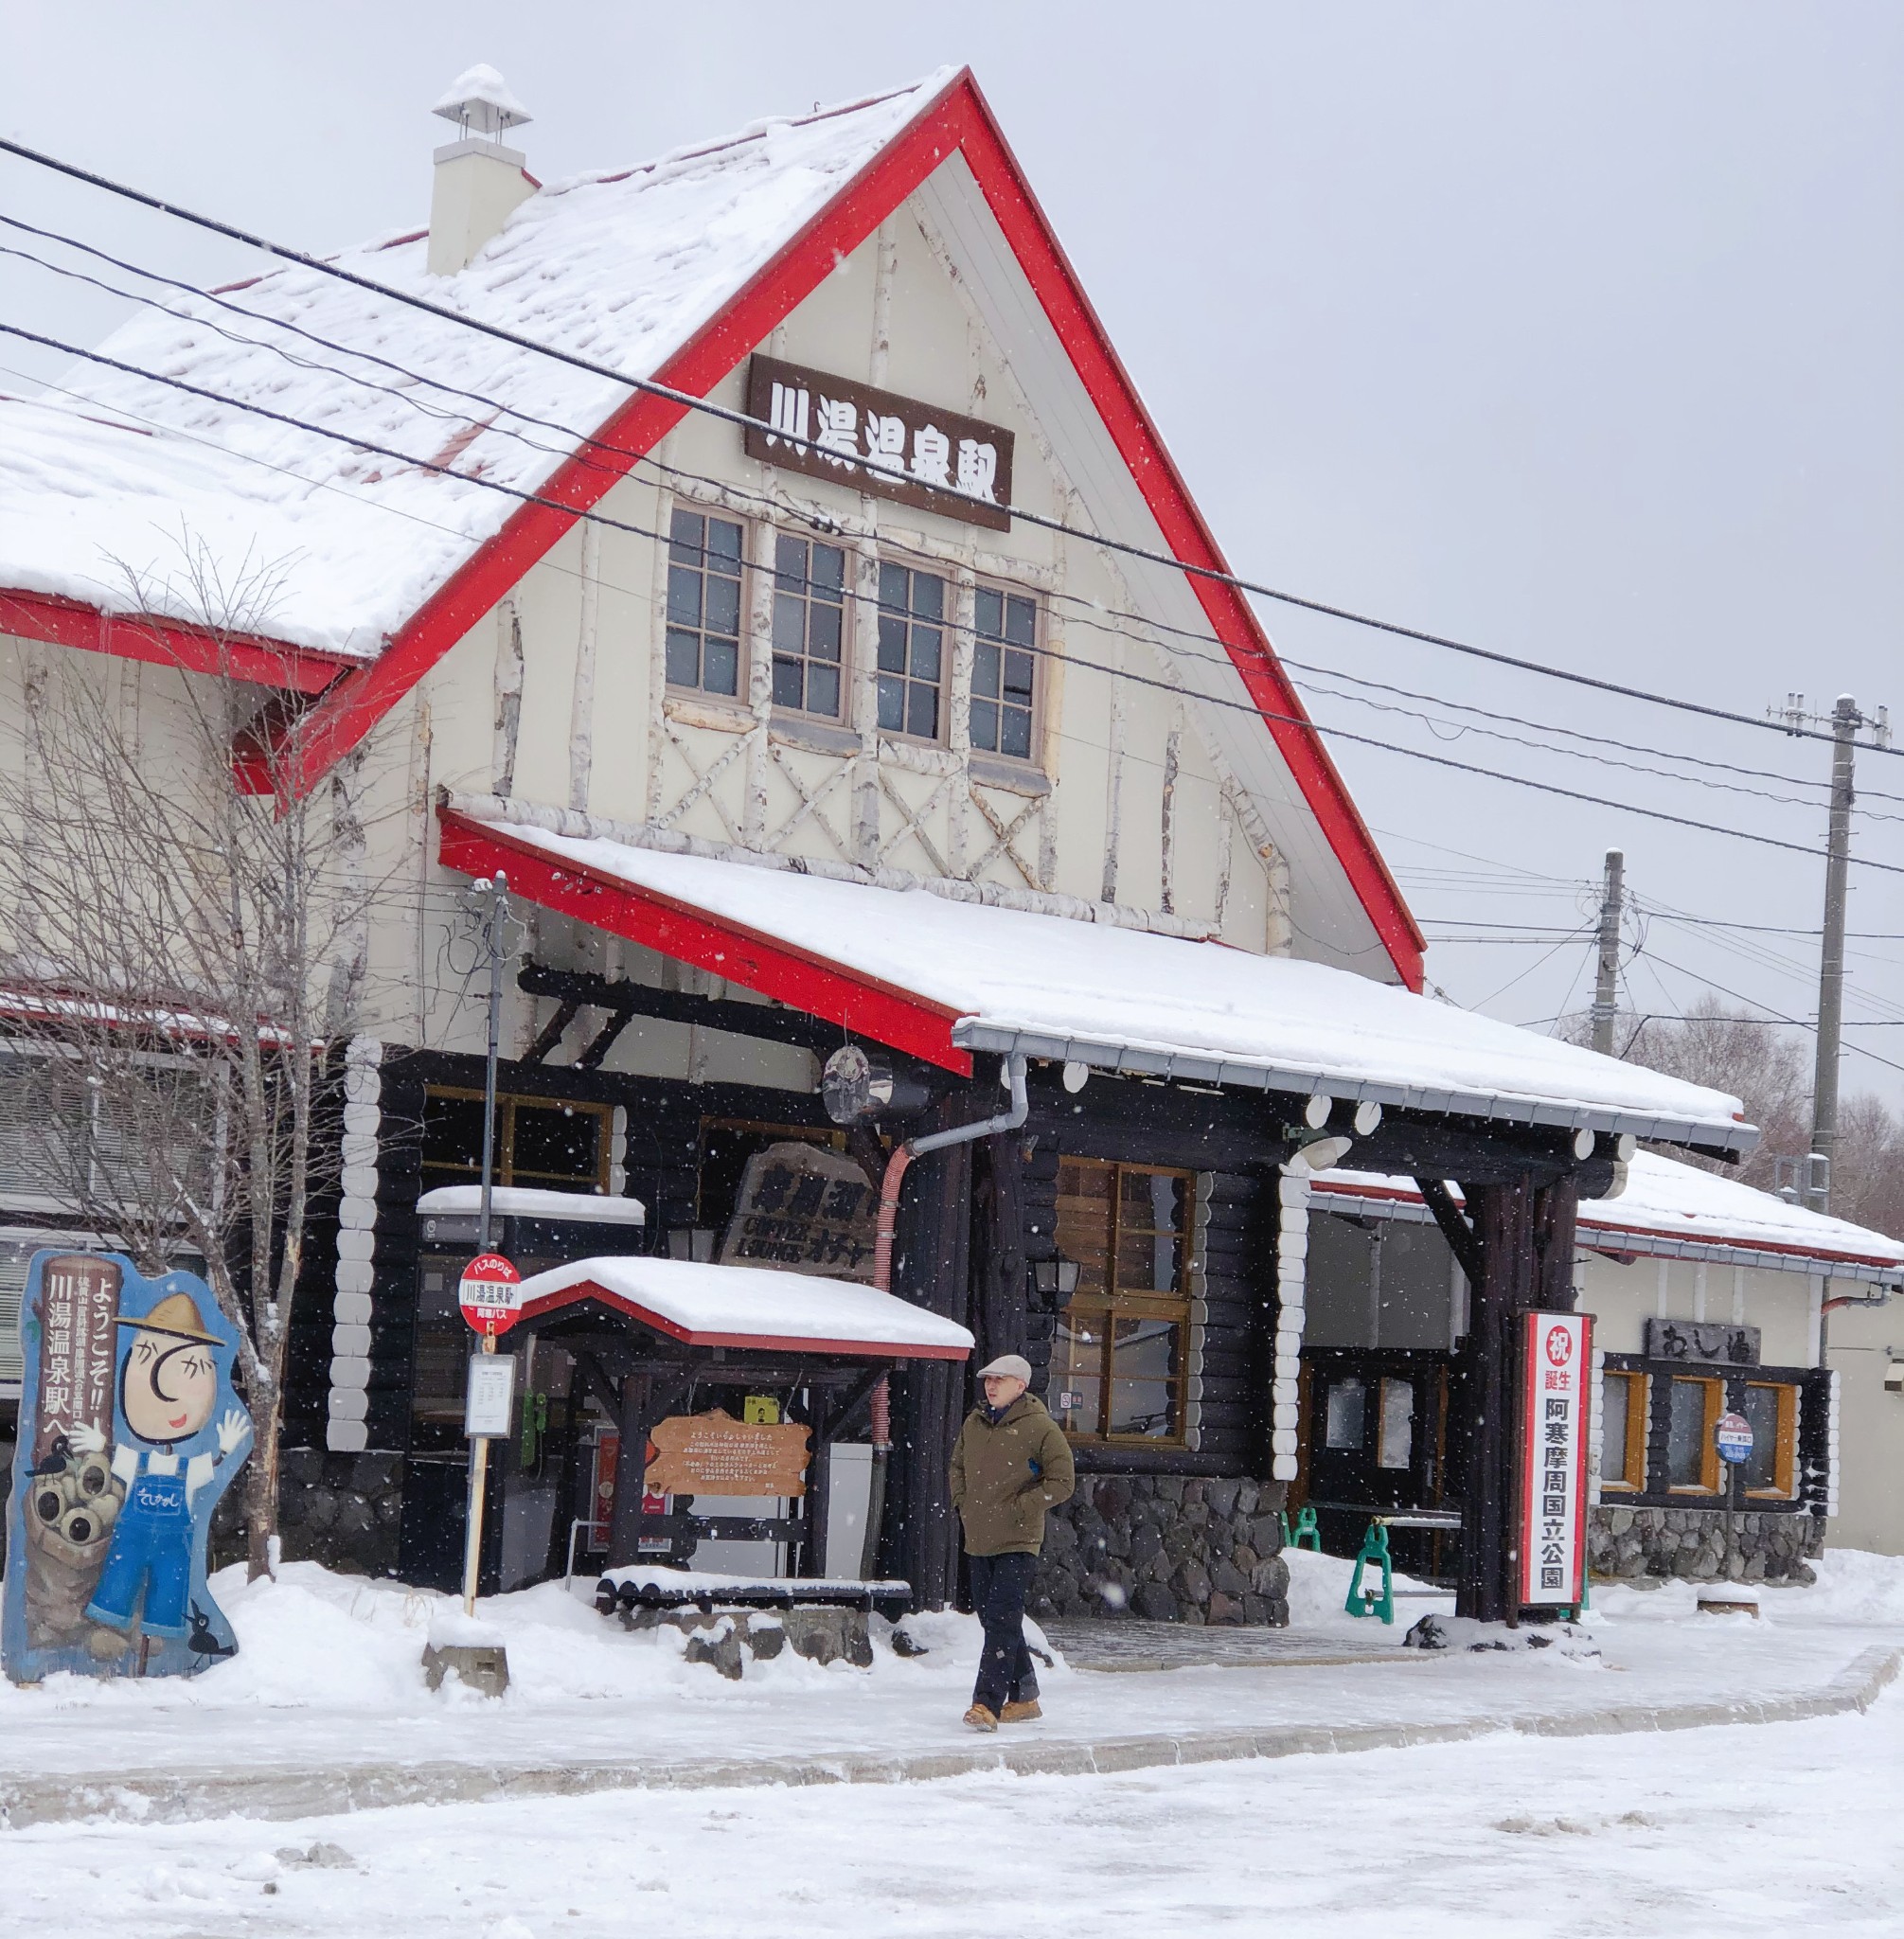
890 446
713 1454
1734 1346
803 1209
1556 1355
80 1294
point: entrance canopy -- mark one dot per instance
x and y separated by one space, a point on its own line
749 1306
942 977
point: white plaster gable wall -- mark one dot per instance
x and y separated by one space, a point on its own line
1623 1297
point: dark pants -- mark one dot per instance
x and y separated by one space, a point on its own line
999 1587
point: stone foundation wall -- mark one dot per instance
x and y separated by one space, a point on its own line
338 1509
1690 1543
1166 1549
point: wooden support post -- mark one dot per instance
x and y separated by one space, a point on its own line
631 1469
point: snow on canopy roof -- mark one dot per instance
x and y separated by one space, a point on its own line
751 1307
1672 1207
618 266
531 1201
1122 999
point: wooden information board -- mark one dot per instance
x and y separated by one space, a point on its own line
715 1455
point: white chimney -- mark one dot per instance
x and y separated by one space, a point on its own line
478 180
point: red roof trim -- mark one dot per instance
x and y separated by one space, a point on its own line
822 989
956 118
166 643
768 1343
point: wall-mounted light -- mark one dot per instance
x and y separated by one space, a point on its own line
1055 1275
856 1085
694 1242
1321 1154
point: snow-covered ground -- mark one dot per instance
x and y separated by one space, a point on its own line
1742 1830
330 1673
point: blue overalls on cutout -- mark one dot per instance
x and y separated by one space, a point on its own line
152 1545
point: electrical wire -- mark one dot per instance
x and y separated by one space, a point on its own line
1301 723
688 401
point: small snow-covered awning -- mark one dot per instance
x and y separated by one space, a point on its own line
750 1306
943 977
528 1202
1674 1211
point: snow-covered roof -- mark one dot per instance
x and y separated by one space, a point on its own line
530 1202
1680 1209
618 266
1006 980
750 1305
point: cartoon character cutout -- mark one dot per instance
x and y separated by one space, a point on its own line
168 1384
130 1434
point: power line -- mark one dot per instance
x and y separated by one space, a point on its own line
1305 725
687 401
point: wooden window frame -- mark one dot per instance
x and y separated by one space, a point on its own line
506 1104
980 641
842 715
1638 1419
1785 1458
948 628
1114 1305
698 689
1709 1482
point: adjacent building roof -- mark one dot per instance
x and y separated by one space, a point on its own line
750 1306
381 528
1679 1211
944 978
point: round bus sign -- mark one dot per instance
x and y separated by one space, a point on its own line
1733 1434
487 1293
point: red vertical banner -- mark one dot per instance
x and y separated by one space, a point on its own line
1557 1361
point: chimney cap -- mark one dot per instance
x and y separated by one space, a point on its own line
479 101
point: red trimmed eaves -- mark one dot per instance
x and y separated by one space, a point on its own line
956 118
770 967
168 643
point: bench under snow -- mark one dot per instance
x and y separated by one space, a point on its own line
652 1586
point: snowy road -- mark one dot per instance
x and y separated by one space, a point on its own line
1776 1829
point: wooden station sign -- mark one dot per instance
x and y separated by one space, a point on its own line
715 1455
878 442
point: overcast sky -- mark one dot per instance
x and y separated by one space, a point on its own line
1574 332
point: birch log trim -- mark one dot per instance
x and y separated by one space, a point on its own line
508 685
958 722
1113 798
1173 750
657 656
581 705
1226 842
759 663
886 266
864 675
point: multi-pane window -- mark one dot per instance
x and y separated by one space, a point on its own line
1004 628
704 603
912 651
810 607
1693 1408
1623 1431
1117 1362
1771 1468
551 1141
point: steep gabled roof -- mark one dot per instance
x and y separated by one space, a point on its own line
673 272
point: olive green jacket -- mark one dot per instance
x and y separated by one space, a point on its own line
1004 1477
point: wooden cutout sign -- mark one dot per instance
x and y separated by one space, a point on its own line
715 1455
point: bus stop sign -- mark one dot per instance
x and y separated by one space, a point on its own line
1731 1434
487 1294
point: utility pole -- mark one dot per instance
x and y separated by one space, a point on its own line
1845 721
1607 980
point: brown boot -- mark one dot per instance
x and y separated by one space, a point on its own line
1020 1712
979 1719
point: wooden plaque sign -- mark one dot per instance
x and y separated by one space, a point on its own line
715 1455
879 442
804 1209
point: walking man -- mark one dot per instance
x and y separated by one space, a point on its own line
1010 1464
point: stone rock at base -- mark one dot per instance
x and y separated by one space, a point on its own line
1192 1583
1246 1499
1228 1580
1279 1611
1154 1603
1270 1579
1223 1497
1225 1608
483 1667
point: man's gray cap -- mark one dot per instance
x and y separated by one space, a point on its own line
1011 1366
